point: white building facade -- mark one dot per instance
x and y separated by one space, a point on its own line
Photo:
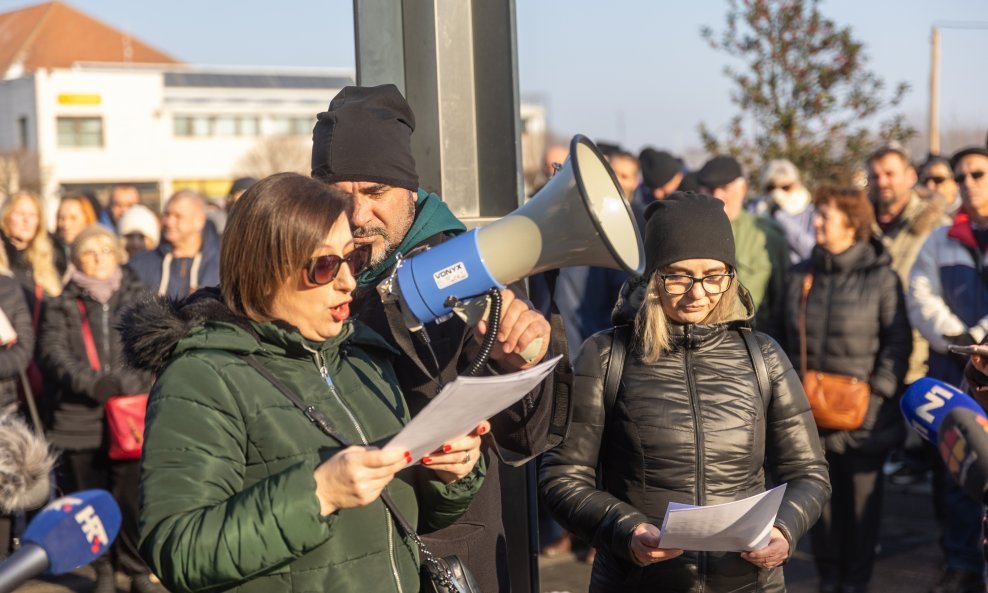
162 128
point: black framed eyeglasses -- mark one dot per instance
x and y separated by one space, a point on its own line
975 175
677 284
323 269
935 179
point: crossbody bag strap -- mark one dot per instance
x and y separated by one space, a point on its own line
807 285
758 363
39 296
322 423
87 337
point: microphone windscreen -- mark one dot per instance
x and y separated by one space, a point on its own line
928 400
964 449
76 529
25 466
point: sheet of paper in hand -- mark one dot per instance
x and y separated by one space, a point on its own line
462 404
739 526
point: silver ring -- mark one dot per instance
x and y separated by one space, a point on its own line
466 457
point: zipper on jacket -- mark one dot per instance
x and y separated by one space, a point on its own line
107 364
701 559
321 364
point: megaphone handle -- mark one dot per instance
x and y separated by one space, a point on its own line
493 326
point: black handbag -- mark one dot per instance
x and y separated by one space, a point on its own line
438 575
446 575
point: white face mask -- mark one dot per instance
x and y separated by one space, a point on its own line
793 201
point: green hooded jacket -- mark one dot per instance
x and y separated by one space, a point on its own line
227 489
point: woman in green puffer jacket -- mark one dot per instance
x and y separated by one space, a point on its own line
239 491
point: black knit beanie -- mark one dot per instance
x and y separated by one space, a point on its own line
366 136
658 167
686 225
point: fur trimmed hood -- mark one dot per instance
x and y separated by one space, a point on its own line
152 327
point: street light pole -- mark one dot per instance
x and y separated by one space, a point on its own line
935 91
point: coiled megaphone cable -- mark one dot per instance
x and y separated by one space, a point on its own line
493 326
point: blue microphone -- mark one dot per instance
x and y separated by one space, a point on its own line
70 532
928 401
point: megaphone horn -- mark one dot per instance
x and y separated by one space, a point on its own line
578 219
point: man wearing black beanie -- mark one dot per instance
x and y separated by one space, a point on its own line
362 146
661 175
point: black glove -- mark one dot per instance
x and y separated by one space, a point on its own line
106 387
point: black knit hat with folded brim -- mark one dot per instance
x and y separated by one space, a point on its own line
365 135
686 225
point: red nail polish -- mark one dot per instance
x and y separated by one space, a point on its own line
408 457
482 430
426 459
447 448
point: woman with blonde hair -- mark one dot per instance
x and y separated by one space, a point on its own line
30 252
705 412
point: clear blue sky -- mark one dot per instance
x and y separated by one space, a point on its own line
631 71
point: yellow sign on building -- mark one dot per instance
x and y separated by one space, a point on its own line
79 99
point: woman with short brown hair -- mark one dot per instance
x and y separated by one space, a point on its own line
849 304
241 491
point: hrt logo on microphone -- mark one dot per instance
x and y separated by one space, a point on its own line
92 527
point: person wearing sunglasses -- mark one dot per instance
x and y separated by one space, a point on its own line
241 492
791 206
938 176
689 421
361 146
948 304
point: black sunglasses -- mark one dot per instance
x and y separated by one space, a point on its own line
323 269
771 188
975 175
936 179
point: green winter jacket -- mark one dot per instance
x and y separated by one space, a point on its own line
227 490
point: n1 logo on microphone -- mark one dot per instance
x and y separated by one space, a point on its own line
935 399
928 400
450 275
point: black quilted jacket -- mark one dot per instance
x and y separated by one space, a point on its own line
856 325
690 428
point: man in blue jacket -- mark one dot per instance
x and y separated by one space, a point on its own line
188 256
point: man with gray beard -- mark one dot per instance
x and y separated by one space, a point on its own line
362 147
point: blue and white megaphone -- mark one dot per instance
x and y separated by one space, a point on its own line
70 532
578 219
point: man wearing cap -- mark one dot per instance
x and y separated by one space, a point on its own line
661 175
362 146
948 304
762 253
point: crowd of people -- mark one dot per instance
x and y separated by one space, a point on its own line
870 282
276 369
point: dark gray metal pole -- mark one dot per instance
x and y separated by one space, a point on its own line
456 63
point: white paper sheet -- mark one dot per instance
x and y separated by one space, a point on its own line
462 404
739 526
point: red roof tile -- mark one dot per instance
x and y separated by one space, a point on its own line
55 35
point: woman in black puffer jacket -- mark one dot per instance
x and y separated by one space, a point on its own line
856 325
690 423
101 289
